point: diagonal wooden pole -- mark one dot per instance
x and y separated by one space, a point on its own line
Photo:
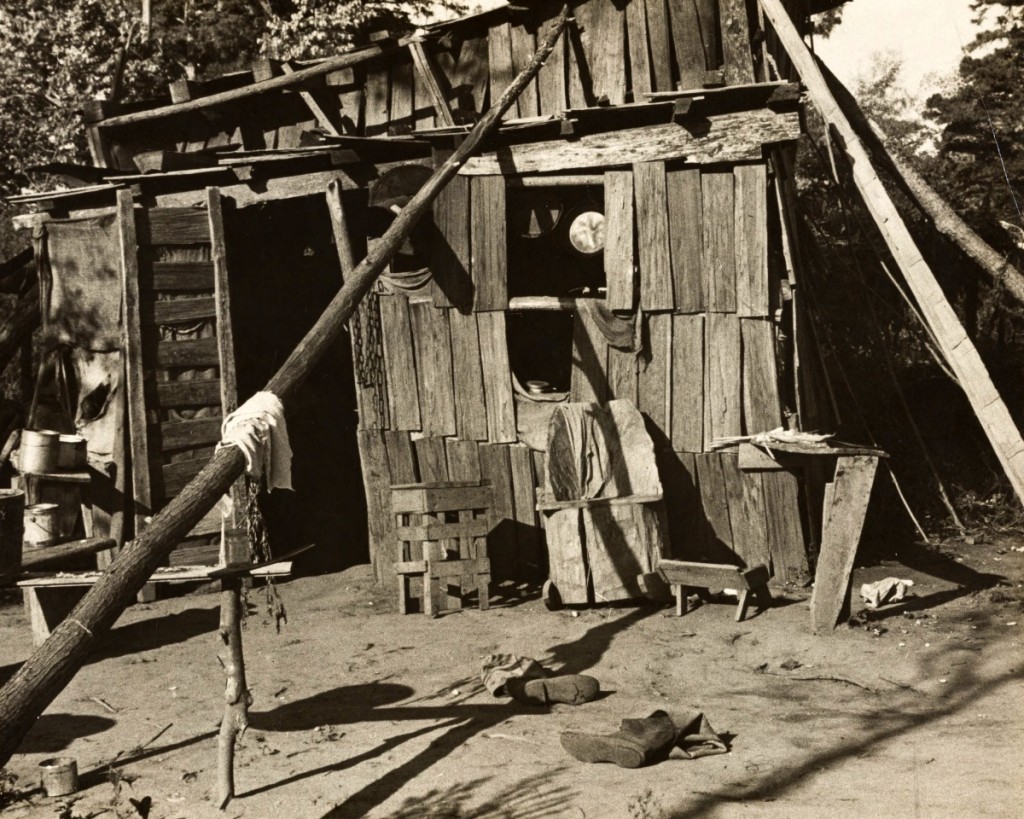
954 343
55 663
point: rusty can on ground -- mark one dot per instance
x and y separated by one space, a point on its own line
60 775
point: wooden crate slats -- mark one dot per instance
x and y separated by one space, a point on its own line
641 79
470 401
172 435
762 410
376 107
496 470
746 512
524 44
192 353
373 460
604 40
175 311
651 196
660 43
132 341
432 344
174 476
450 242
190 393
423 498
551 86
588 380
786 541
431 459
751 197
655 377
685 215
488 243
736 53
177 276
687 42
173 226
619 245
400 362
688 383
722 397
501 420
622 374
719 259
499 60
525 502
477 527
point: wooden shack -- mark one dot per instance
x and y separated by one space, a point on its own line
222 219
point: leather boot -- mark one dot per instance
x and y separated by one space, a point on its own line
571 689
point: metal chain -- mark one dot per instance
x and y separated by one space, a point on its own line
259 551
368 348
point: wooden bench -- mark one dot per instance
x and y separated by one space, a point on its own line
684 575
50 597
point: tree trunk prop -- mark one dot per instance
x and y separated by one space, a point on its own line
49 669
946 220
236 693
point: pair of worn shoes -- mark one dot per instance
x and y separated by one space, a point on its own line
640 742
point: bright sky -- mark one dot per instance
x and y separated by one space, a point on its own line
927 35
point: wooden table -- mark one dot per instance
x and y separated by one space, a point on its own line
844 507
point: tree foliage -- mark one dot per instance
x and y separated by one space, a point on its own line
57 54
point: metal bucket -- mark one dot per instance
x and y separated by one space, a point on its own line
42 524
60 775
12 532
71 453
39 452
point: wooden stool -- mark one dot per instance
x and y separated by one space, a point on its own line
682 575
442 529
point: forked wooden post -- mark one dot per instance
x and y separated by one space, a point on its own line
957 348
55 663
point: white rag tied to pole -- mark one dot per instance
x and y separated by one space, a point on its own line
259 430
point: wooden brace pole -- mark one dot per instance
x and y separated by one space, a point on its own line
946 220
236 693
44 675
957 348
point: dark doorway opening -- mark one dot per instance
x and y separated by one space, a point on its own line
283 272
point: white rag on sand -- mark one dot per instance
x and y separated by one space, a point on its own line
258 429
889 590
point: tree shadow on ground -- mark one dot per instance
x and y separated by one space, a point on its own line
55 732
459 720
896 714
534 796
157 632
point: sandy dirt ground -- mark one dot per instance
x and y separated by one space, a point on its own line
359 711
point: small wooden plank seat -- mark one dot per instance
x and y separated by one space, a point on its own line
683 575
50 597
442 530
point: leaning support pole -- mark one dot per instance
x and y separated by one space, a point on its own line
957 348
53 664
946 220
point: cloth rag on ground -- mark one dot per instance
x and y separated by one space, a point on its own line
889 590
498 669
258 429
